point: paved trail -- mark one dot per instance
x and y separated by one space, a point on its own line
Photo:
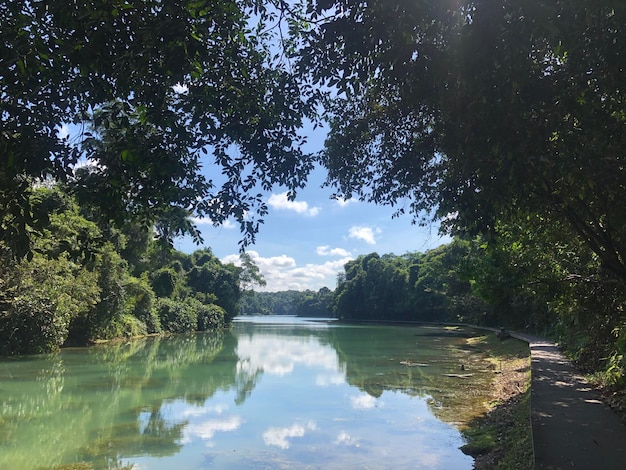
572 427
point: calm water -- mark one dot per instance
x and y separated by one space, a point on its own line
272 393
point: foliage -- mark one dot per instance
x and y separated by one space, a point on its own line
150 87
77 288
141 303
533 124
164 281
250 274
302 303
41 298
315 304
176 317
210 317
433 286
212 282
373 288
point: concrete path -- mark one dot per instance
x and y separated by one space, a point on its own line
572 427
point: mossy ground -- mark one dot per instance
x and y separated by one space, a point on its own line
502 437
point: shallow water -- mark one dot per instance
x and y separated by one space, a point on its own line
271 393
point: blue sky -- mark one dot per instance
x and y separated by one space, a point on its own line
305 243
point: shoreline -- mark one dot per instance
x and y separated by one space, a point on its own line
502 436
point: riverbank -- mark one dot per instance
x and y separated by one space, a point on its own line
568 425
502 437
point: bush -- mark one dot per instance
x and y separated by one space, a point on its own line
43 297
141 303
96 323
176 316
127 326
33 325
210 317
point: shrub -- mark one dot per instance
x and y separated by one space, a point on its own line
127 326
43 297
141 303
176 316
210 317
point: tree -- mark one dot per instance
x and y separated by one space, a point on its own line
374 288
250 274
212 282
151 86
479 111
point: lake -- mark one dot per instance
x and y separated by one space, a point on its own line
271 393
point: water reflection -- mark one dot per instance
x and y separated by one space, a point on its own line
262 395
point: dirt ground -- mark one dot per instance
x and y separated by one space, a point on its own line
508 390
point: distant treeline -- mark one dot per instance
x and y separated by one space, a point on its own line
301 303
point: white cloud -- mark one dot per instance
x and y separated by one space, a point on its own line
282 272
279 357
344 202
181 89
207 430
363 402
201 220
282 202
328 251
278 436
367 234
345 439
324 381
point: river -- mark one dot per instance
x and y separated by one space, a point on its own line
271 393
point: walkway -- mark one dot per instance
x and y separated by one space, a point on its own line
572 427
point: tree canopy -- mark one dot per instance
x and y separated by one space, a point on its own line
152 86
479 110
474 111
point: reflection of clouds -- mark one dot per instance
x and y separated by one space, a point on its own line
363 402
278 436
345 439
327 380
277 355
208 429
199 411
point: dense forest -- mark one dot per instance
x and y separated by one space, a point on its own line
86 281
504 121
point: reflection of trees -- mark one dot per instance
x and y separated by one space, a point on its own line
159 437
415 361
372 356
107 399
245 384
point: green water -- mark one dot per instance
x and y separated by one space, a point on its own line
271 393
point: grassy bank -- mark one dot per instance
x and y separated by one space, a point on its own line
502 437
